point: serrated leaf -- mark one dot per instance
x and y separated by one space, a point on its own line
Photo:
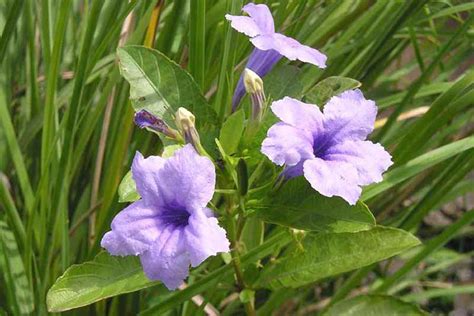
127 190
329 254
231 132
328 88
92 281
298 205
374 305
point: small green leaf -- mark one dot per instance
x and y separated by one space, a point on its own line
329 254
366 305
231 132
92 281
247 295
169 150
297 205
328 88
127 190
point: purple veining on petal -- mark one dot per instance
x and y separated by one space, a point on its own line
170 228
328 148
261 62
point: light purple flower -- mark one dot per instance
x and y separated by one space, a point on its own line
170 228
269 45
330 148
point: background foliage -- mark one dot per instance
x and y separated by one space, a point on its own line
67 139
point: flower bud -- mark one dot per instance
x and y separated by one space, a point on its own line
185 122
145 119
254 87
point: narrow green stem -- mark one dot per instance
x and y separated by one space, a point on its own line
249 308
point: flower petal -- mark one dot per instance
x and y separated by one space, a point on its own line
332 178
186 180
134 230
243 24
262 16
290 48
288 145
349 116
145 173
370 160
167 260
204 238
298 114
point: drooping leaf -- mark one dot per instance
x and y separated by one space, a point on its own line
374 305
127 190
92 281
328 88
17 286
329 254
297 205
231 132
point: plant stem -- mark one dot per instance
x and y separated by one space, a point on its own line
249 308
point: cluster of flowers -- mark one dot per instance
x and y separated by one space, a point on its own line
171 228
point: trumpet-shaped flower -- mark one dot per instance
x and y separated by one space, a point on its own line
269 45
329 148
170 227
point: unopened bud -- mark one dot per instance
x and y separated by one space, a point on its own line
145 119
185 122
252 82
254 87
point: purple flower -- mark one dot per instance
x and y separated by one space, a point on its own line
269 45
328 148
170 227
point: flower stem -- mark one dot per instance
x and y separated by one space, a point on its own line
249 307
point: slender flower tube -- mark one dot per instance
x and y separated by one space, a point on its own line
170 227
145 119
329 148
269 45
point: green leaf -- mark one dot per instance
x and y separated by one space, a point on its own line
92 281
328 88
231 132
329 254
366 305
127 190
160 86
16 284
299 206
283 81
169 150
